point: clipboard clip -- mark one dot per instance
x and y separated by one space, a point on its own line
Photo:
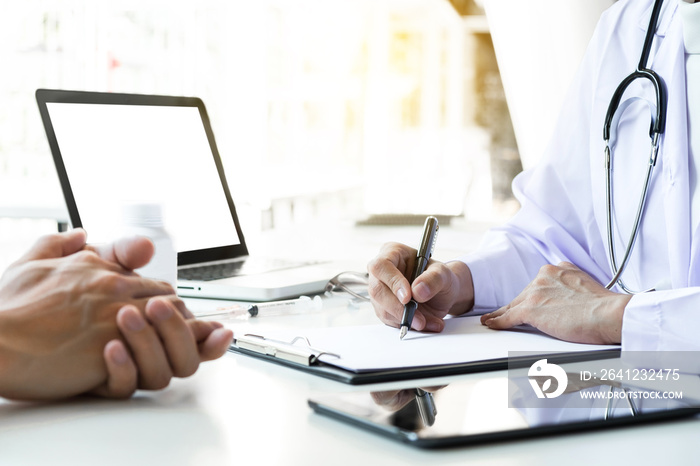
287 351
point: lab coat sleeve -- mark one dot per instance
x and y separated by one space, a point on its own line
662 321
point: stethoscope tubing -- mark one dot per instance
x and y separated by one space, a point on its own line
617 278
657 127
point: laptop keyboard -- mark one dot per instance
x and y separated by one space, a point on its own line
235 268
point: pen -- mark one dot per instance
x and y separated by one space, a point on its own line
272 308
426 407
425 251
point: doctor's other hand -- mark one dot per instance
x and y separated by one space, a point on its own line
565 302
444 288
66 324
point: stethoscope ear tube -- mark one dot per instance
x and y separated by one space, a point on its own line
658 124
642 72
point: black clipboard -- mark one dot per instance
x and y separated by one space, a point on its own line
304 357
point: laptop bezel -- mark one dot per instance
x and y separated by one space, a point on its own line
46 96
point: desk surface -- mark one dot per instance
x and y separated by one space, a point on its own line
240 410
243 411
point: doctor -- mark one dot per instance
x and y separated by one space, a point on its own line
550 264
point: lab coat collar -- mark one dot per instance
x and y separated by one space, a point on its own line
668 11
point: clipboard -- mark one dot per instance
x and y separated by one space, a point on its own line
328 359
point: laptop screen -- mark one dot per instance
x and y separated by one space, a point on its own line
116 153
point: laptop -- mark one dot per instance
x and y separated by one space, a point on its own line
110 149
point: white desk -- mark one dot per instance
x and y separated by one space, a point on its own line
243 411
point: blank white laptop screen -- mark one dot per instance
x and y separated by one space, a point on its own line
115 154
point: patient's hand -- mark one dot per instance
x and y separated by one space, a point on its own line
75 319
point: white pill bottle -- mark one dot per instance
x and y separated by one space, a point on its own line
146 219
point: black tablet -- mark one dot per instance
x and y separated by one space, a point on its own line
475 411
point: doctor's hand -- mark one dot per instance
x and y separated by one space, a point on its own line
394 400
565 302
442 289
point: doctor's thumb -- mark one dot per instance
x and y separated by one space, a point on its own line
422 292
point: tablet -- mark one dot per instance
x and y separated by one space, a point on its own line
476 411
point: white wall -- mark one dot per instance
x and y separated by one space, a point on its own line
539 45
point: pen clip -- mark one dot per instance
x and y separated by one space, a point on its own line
432 245
427 243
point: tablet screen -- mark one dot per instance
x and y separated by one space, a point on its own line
477 410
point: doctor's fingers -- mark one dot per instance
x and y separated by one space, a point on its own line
434 320
506 317
517 311
419 320
391 267
388 307
393 400
437 279
535 295
512 314
381 295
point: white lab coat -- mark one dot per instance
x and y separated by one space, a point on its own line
563 198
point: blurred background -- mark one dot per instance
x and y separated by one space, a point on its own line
323 110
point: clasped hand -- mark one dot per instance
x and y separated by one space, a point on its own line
76 319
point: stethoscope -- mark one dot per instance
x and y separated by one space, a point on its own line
656 129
